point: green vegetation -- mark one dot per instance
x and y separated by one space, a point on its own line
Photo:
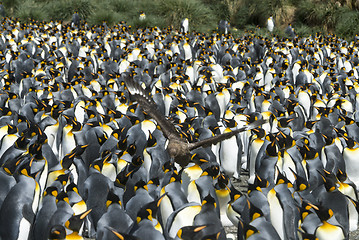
306 16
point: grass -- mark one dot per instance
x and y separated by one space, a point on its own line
201 17
29 9
63 9
348 23
306 16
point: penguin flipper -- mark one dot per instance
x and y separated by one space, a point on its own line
150 107
218 138
28 214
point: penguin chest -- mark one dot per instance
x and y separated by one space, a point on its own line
166 208
147 161
24 229
253 152
80 112
353 216
51 132
109 170
352 163
222 102
185 217
190 174
193 193
7 142
229 155
276 213
68 143
288 164
187 51
329 231
223 199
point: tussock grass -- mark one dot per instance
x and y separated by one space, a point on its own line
103 15
201 17
63 9
306 16
347 23
29 9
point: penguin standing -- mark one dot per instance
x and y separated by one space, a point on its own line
185 26
183 216
146 215
223 27
9 139
173 200
137 198
115 217
223 195
96 188
258 227
8 182
142 16
330 228
270 24
276 212
230 155
350 158
46 210
290 31
75 20
255 145
62 213
209 215
75 225
19 207
330 197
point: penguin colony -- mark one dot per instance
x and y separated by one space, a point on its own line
81 157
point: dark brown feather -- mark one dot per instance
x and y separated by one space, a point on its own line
150 107
218 138
178 148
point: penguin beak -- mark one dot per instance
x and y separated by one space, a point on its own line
31 161
120 236
85 214
199 228
313 206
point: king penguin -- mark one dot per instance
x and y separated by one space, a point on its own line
270 24
184 26
115 217
75 20
96 188
9 139
329 229
46 210
255 145
19 206
223 193
350 154
230 155
183 216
